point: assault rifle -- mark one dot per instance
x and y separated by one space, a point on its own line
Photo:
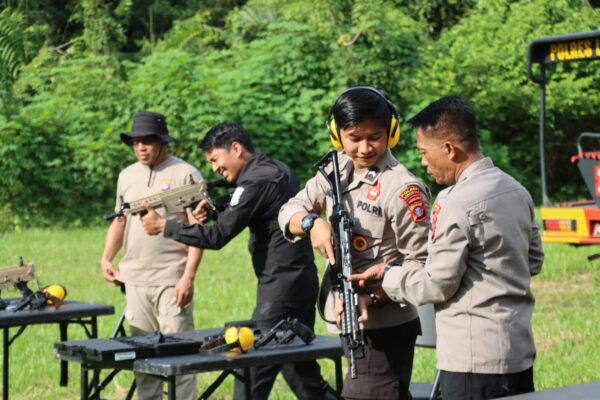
173 201
341 222
19 276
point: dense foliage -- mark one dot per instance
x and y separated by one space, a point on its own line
72 77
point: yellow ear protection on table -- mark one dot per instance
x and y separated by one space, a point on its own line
240 338
394 126
55 294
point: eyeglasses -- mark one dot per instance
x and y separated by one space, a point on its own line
145 140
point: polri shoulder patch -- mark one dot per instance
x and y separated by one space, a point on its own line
411 195
235 197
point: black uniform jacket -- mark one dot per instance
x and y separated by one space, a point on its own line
286 271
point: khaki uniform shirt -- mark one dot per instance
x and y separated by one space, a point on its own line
484 247
389 209
152 260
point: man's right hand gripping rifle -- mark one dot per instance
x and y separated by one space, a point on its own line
333 240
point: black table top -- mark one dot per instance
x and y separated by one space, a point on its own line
584 391
69 310
321 347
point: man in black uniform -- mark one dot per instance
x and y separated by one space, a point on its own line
286 272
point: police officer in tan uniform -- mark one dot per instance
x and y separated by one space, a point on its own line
484 247
158 273
389 209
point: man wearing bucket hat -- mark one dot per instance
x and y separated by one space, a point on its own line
158 273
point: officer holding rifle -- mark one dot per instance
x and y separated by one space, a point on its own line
389 208
158 273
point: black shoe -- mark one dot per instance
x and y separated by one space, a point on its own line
329 393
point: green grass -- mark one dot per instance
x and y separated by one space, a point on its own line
566 319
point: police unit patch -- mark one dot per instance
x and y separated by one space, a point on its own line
359 243
414 200
166 185
235 197
374 192
434 216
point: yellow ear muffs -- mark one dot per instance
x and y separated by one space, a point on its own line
394 133
55 294
334 135
242 338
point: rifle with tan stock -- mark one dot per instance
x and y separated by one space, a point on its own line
18 276
173 201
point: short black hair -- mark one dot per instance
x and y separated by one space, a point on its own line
361 104
449 115
224 134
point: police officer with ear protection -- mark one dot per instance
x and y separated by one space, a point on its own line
388 206
286 273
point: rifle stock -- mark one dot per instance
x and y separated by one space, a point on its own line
342 223
16 274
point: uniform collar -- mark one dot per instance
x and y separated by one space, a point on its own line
254 157
158 167
371 175
477 166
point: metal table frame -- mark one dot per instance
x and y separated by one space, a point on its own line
72 312
167 368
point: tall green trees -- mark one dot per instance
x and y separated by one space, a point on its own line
73 77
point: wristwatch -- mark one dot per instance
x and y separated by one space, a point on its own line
308 221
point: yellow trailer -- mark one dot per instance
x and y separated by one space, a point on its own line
576 222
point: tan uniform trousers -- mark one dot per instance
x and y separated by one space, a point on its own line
152 308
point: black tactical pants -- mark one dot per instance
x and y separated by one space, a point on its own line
304 378
470 386
385 370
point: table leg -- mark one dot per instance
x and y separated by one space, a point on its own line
84 383
96 373
64 366
171 388
338 375
5 365
94 323
247 383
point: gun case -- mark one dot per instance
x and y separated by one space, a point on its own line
128 349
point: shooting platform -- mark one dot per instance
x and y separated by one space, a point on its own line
72 312
94 355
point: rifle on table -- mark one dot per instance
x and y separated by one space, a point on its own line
175 200
342 223
19 276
